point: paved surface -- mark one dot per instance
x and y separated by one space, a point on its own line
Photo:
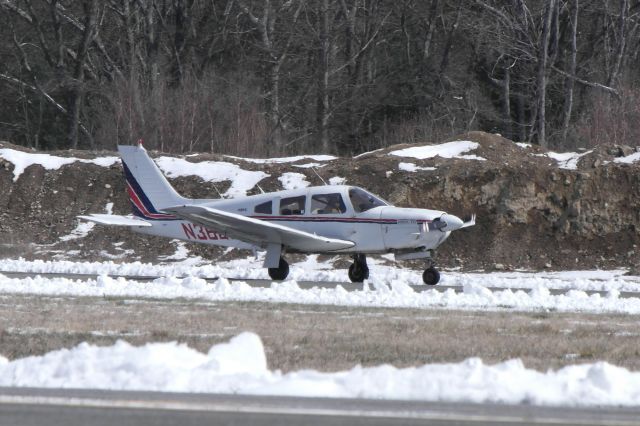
349 286
51 407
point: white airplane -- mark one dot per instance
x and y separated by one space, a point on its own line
331 219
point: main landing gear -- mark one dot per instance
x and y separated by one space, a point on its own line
358 271
280 273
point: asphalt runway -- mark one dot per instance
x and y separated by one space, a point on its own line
56 407
349 286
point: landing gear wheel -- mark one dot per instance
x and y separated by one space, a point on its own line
358 274
431 276
358 270
280 273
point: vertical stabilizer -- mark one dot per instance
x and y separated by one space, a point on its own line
148 189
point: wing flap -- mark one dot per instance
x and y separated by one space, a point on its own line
115 220
257 231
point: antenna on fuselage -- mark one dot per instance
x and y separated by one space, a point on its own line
260 188
314 171
216 188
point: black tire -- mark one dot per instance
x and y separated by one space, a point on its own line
431 276
358 273
280 273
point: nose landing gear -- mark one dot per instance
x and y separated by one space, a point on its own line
358 271
431 276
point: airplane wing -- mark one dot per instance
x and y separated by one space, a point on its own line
256 231
115 220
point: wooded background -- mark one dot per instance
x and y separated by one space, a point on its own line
272 77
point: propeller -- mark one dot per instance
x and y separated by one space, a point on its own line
446 223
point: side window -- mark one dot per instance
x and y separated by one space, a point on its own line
292 205
264 208
327 204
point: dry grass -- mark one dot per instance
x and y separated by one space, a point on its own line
321 337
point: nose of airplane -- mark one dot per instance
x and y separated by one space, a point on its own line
452 222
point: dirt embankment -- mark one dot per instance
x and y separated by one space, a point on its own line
531 212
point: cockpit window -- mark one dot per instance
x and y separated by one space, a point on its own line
363 201
327 204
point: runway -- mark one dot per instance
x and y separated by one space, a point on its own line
54 407
348 286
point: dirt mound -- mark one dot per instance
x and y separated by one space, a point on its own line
535 209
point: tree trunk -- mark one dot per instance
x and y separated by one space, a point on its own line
506 102
622 41
542 73
570 82
76 94
322 110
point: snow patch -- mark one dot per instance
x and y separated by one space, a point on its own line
336 180
292 180
213 171
21 160
446 150
280 160
524 145
629 159
411 167
566 160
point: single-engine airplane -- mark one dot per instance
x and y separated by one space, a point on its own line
330 219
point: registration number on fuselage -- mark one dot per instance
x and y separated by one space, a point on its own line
197 232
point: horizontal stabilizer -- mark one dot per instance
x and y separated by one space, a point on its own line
115 220
256 231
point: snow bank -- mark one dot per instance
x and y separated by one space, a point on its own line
446 150
528 292
21 160
240 367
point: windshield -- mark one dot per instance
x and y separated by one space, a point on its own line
363 200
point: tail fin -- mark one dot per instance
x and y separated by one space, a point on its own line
149 191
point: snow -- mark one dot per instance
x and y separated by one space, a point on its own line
411 167
280 160
240 367
213 171
388 286
21 160
566 160
446 150
292 180
524 145
337 180
629 159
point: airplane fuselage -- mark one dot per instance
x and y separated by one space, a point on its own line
377 228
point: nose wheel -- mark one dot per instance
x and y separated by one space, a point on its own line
280 273
358 271
431 276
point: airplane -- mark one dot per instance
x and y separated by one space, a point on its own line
330 219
